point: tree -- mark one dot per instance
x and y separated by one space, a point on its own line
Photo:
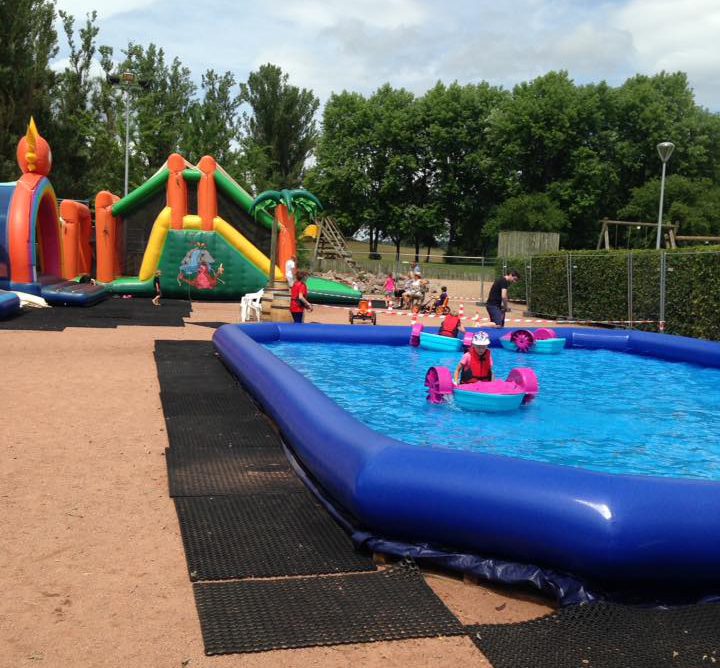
281 129
341 176
694 204
28 42
535 130
462 172
648 110
108 169
159 107
393 165
213 123
535 212
75 120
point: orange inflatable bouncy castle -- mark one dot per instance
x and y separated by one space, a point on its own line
38 249
76 232
29 224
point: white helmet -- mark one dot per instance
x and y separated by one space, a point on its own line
481 339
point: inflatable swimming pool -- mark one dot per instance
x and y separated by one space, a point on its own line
613 530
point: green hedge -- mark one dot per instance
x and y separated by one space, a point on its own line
600 287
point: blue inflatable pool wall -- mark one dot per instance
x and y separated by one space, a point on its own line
610 529
9 303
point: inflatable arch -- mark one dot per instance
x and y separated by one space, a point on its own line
39 250
30 232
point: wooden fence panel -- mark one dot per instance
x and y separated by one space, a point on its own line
526 244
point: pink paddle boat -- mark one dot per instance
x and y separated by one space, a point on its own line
542 340
520 387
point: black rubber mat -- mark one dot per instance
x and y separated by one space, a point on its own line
247 472
232 537
193 376
228 433
184 350
106 314
261 615
176 377
208 403
210 325
605 635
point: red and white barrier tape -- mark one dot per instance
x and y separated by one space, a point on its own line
416 316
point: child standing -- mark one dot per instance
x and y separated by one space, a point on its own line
158 290
389 289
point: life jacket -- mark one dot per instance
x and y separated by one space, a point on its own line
450 326
480 368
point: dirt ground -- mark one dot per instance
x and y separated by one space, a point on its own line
92 566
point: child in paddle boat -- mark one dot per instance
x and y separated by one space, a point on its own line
476 365
451 325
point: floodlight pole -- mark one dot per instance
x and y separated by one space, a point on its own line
665 150
125 80
127 139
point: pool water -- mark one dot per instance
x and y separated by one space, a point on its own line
596 409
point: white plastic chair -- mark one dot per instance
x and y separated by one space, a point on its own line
251 304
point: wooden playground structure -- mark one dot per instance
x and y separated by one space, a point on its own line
670 234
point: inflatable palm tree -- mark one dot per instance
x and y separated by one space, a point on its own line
284 205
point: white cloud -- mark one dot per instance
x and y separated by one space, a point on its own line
321 14
95 69
673 36
104 8
331 45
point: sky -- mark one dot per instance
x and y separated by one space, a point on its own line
332 45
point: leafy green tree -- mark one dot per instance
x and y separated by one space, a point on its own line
394 168
108 166
75 120
213 123
694 204
648 110
28 42
536 129
463 177
363 162
341 176
281 128
159 107
535 212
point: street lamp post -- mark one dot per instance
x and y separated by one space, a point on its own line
664 150
125 80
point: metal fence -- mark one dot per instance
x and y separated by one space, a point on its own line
624 289
460 267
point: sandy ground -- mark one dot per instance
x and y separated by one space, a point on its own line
92 566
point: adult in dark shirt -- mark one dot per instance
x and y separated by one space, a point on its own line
497 301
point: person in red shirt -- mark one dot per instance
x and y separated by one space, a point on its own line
298 298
